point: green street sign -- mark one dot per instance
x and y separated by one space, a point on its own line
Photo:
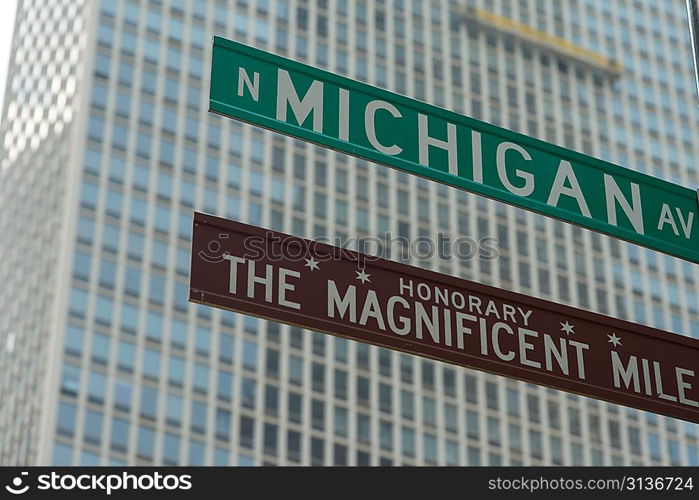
349 116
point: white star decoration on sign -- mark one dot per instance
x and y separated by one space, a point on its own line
567 327
613 339
311 263
363 276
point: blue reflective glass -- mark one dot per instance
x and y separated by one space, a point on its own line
89 193
224 385
66 419
62 454
178 333
70 379
120 434
103 309
123 390
129 318
93 427
171 448
96 386
176 370
78 301
173 409
201 377
86 228
154 326
196 453
110 237
146 439
149 402
126 355
151 363
132 281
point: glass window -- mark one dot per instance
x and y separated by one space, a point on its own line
100 348
472 425
149 402
86 228
139 209
221 457
173 409
93 427
151 50
157 289
198 417
74 340
122 394
171 449
407 404
430 447
103 309
223 424
408 441
201 378
132 281
66 419
154 326
296 370
162 218
429 411
250 355
89 194
178 333
151 363
62 454
248 392
96 387
202 341
120 434
176 371
81 265
126 356
146 439
70 379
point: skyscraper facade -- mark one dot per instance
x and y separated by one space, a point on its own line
107 148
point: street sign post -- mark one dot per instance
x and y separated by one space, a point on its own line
355 118
329 289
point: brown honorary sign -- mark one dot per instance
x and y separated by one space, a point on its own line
333 290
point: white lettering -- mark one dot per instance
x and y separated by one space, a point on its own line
497 327
579 352
348 301
404 329
629 374
528 187
252 86
477 157
561 353
312 101
525 346
425 141
343 117
659 383
370 126
266 281
284 287
565 173
666 218
421 318
613 194
683 385
233 282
